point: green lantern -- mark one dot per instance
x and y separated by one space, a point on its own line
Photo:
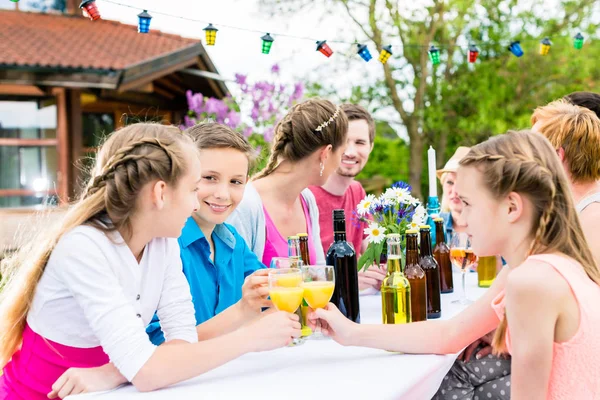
267 43
578 41
434 55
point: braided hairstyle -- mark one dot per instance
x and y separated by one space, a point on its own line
296 136
130 158
525 162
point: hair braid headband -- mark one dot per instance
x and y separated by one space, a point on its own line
329 121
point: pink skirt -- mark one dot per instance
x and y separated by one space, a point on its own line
39 363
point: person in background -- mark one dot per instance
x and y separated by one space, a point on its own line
77 305
343 191
588 100
307 148
517 203
228 283
451 206
575 134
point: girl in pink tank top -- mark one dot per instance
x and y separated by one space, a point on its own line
517 204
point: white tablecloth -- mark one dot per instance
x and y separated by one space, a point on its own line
319 369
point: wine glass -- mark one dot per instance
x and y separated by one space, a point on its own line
284 262
463 257
319 284
286 291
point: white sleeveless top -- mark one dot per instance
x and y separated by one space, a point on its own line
592 198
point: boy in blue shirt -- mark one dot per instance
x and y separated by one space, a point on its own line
227 281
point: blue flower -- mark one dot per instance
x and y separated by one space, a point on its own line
402 185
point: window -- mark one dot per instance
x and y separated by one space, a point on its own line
28 152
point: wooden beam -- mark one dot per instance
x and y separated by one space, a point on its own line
216 89
145 88
25 192
158 73
62 134
28 142
173 87
163 92
21 90
107 80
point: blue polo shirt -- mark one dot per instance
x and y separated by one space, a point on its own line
214 286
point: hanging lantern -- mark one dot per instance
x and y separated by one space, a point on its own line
324 48
434 55
211 35
515 48
578 41
267 43
364 52
545 46
91 9
473 53
144 22
386 53
15 1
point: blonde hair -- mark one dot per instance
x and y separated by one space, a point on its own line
577 131
212 135
130 158
525 162
445 204
296 136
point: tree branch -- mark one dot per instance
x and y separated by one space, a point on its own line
356 21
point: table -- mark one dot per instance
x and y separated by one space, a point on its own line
319 369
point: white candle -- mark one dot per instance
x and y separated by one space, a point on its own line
431 168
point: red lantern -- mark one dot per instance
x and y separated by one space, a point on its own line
324 48
473 53
91 9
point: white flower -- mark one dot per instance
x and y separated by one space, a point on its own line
413 201
364 207
375 232
397 195
421 213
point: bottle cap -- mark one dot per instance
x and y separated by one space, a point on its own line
424 227
292 237
438 219
393 235
411 231
338 214
302 235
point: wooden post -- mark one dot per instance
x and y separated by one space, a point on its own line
75 129
63 147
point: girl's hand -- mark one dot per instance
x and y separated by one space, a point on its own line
85 380
272 331
334 324
255 291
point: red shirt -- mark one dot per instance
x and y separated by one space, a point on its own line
328 202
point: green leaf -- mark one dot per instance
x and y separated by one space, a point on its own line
366 258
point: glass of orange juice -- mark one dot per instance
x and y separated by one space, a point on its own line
286 291
319 284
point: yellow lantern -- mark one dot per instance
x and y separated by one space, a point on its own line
385 54
211 35
545 46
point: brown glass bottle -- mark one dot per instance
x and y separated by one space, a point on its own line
416 277
432 272
441 253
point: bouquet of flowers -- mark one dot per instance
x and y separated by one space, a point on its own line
395 211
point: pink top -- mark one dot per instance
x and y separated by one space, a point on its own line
327 202
575 373
33 370
276 245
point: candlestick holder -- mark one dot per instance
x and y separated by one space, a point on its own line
433 211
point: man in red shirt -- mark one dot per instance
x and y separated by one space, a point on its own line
342 191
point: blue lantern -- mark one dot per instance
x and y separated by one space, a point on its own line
515 48
144 22
364 52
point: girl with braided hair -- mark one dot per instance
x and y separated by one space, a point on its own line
544 305
307 147
74 311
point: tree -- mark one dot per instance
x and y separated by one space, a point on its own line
427 99
47 5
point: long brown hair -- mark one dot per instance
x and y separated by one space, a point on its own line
130 158
577 131
296 136
525 162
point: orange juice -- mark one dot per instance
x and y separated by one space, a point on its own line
317 294
289 280
287 298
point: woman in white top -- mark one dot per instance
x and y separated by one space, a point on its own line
76 309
